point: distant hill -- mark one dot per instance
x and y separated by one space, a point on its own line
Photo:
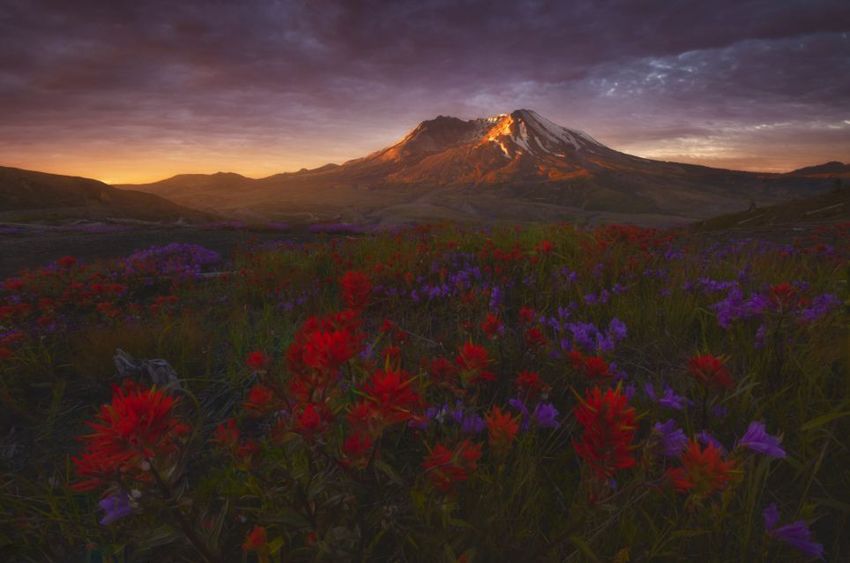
510 167
830 207
832 169
26 195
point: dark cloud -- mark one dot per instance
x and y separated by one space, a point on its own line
273 85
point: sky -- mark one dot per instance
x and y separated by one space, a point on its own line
136 91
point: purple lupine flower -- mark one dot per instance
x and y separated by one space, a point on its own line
761 333
672 439
519 405
116 506
705 438
630 391
795 534
584 334
671 400
472 424
757 439
546 415
821 305
617 329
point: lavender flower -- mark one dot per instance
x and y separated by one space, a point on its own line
795 534
546 415
672 439
116 507
821 306
757 439
671 400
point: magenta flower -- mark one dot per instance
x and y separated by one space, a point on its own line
757 439
795 534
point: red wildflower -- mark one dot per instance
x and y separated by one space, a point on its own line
325 343
591 366
393 395
445 467
710 371
357 448
137 428
67 261
545 246
529 382
526 314
256 539
472 360
502 428
442 370
312 419
329 350
492 326
783 295
227 434
356 288
609 428
260 400
704 471
257 360
535 338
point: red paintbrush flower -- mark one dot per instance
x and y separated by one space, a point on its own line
492 326
609 429
502 428
472 361
591 366
256 539
529 383
444 467
703 471
357 448
526 315
260 400
356 288
257 360
393 395
535 338
136 429
710 371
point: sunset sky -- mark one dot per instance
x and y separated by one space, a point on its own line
142 90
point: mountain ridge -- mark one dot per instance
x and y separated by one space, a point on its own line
513 165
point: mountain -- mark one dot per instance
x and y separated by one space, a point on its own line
26 195
514 167
832 169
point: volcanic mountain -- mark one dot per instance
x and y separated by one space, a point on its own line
518 166
26 195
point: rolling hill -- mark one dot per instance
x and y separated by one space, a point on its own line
26 195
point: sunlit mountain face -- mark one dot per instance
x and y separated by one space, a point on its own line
138 91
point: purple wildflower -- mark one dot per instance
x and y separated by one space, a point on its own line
821 306
672 439
671 400
757 439
546 415
116 506
795 534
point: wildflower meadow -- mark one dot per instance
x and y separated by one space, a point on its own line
433 393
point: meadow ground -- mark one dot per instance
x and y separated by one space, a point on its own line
545 393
